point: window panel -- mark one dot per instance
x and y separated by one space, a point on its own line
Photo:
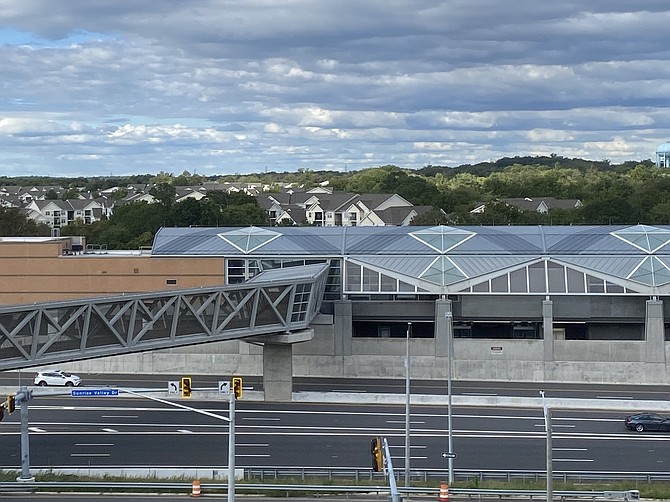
556 276
518 281
389 283
353 277
370 280
482 287
595 285
536 279
575 281
499 284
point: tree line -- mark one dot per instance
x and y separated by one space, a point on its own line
628 193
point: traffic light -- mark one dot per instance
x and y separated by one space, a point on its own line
185 386
11 404
377 455
237 387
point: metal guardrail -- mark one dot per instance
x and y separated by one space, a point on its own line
421 475
32 486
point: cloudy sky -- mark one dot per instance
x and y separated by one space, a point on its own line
101 87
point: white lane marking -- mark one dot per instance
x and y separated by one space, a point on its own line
254 456
90 454
110 430
556 426
119 416
94 444
569 449
248 445
573 460
402 422
185 431
36 429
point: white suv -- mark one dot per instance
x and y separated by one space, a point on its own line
56 377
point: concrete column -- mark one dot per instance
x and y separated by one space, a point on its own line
441 308
548 329
278 371
342 332
654 332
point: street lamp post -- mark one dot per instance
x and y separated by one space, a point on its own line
450 336
549 450
407 402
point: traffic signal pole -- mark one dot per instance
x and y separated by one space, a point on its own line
22 397
395 494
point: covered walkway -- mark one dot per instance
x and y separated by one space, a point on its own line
278 303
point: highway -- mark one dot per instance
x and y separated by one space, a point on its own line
121 431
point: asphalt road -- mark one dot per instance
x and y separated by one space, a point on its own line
435 387
118 431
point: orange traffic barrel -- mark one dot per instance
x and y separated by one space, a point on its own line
195 488
444 493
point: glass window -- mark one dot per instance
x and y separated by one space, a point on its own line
518 281
370 280
613 288
575 281
389 283
482 287
536 280
556 276
595 285
499 284
353 277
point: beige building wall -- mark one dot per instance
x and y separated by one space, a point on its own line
33 271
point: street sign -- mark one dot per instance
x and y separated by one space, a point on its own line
173 387
224 387
448 455
94 392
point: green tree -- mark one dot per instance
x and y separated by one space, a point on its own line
51 194
164 193
15 223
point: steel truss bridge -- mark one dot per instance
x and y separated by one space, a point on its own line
278 301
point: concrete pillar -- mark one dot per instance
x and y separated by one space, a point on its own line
278 371
548 329
654 332
342 332
441 308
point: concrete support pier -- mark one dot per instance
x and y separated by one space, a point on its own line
278 363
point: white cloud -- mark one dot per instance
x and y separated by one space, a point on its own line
144 86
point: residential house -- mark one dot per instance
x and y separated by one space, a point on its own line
538 204
323 207
58 213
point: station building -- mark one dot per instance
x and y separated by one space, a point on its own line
527 303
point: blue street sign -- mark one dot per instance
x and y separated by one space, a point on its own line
94 392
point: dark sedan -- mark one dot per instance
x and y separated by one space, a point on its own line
647 422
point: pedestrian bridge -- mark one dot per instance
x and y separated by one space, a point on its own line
275 302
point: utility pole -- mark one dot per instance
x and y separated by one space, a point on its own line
450 338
